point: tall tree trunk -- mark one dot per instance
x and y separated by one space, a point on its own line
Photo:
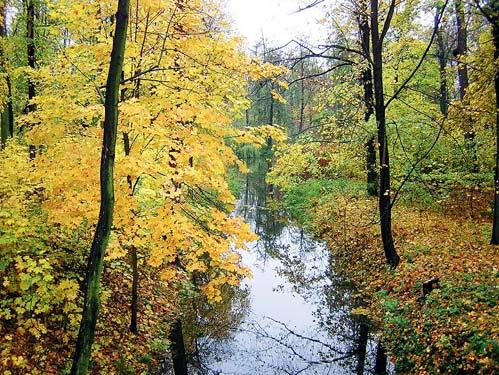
372 174
271 107
102 232
462 71
177 348
385 207
30 35
367 86
271 115
10 108
135 291
133 256
495 32
4 130
176 335
462 75
362 348
381 360
302 95
7 116
442 65
133 250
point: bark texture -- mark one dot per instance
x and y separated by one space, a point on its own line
30 35
442 56
177 348
367 86
495 32
463 79
101 238
385 206
7 115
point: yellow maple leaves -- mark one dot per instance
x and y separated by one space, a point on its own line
183 84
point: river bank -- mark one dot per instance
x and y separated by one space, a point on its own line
452 330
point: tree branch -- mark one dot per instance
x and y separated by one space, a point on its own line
408 79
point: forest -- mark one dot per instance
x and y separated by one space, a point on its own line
176 201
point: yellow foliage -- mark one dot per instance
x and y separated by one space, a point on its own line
175 120
184 83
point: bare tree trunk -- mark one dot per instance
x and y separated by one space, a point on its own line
367 85
4 123
442 65
271 99
135 291
7 116
385 207
380 362
30 35
177 348
462 71
462 75
10 108
95 264
271 116
372 174
302 95
133 254
362 348
495 33
133 250
176 335
271 107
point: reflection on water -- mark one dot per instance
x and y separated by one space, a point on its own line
293 317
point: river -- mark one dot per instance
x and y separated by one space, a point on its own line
294 315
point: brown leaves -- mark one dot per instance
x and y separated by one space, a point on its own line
454 328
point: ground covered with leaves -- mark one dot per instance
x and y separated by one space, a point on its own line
454 328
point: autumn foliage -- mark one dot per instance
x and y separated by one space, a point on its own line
184 80
192 100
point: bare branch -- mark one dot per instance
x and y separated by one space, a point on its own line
408 79
311 5
319 74
388 20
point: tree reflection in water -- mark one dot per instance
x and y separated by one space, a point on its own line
293 317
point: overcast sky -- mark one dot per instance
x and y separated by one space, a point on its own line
277 20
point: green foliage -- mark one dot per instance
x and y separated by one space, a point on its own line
397 324
300 198
234 180
123 368
35 292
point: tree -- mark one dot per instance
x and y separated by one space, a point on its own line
494 18
385 204
380 106
7 114
463 79
491 12
367 86
177 349
30 37
102 232
302 94
192 84
442 56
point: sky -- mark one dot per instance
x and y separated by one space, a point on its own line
277 20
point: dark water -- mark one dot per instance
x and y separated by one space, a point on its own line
293 316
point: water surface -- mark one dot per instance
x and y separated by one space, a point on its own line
293 316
